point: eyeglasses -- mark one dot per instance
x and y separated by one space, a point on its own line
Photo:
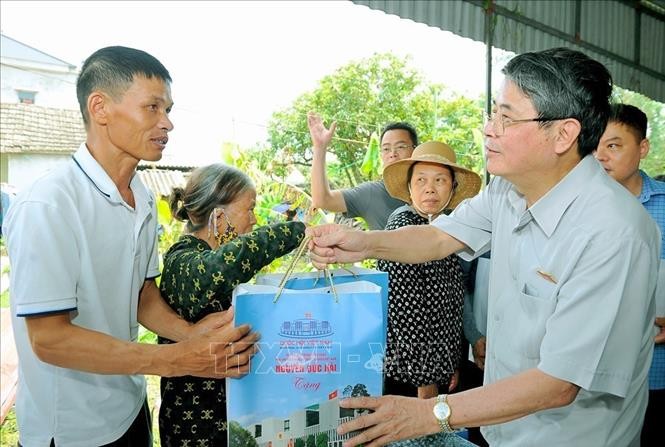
401 148
499 125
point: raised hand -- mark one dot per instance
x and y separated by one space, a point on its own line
321 136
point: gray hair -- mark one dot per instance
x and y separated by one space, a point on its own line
208 187
566 83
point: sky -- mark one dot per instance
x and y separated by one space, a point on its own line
235 63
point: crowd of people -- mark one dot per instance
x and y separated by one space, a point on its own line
564 319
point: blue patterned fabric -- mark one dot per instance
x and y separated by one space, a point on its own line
653 199
435 440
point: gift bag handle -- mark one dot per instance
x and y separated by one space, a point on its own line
292 265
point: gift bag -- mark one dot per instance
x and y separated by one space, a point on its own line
317 346
312 280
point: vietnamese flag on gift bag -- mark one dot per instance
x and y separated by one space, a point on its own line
317 345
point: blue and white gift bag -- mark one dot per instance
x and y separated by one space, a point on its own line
317 346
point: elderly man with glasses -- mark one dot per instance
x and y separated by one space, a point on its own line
572 278
369 200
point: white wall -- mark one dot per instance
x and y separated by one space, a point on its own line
24 169
297 424
328 415
53 89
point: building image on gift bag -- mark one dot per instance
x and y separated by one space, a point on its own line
321 419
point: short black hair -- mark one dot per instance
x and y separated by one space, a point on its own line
630 116
401 125
112 70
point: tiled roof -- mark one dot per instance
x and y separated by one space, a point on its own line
35 129
161 181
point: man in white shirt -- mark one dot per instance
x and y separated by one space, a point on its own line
83 249
572 277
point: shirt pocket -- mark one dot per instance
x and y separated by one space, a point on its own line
537 302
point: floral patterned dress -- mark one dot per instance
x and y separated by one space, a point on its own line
197 281
425 303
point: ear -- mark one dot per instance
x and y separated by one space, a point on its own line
644 148
98 107
566 135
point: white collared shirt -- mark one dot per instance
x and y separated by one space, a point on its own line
571 293
76 246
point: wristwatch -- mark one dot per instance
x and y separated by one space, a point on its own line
442 413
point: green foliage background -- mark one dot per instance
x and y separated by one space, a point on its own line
654 163
362 97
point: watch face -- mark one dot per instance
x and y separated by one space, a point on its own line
441 411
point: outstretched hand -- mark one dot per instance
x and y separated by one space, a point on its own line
334 243
321 137
393 418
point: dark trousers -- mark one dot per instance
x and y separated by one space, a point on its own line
470 376
653 432
139 433
396 388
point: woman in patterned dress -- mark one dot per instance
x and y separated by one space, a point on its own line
219 250
425 300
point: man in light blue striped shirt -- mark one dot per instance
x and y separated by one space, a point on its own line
621 148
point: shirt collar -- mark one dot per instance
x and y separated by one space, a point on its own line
650 187
549 209
103 183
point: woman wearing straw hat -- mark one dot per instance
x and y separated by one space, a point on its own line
425 300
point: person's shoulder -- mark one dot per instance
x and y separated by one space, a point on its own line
615 210
186 243
657 187
372 185
51 187
402 217
398 211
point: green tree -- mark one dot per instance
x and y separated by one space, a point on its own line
239 437
347 391
654 163
311 442
299 443
362 97
359 390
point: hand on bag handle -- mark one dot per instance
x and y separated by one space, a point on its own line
292 264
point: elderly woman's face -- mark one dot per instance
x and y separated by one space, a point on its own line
241 211
431 186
